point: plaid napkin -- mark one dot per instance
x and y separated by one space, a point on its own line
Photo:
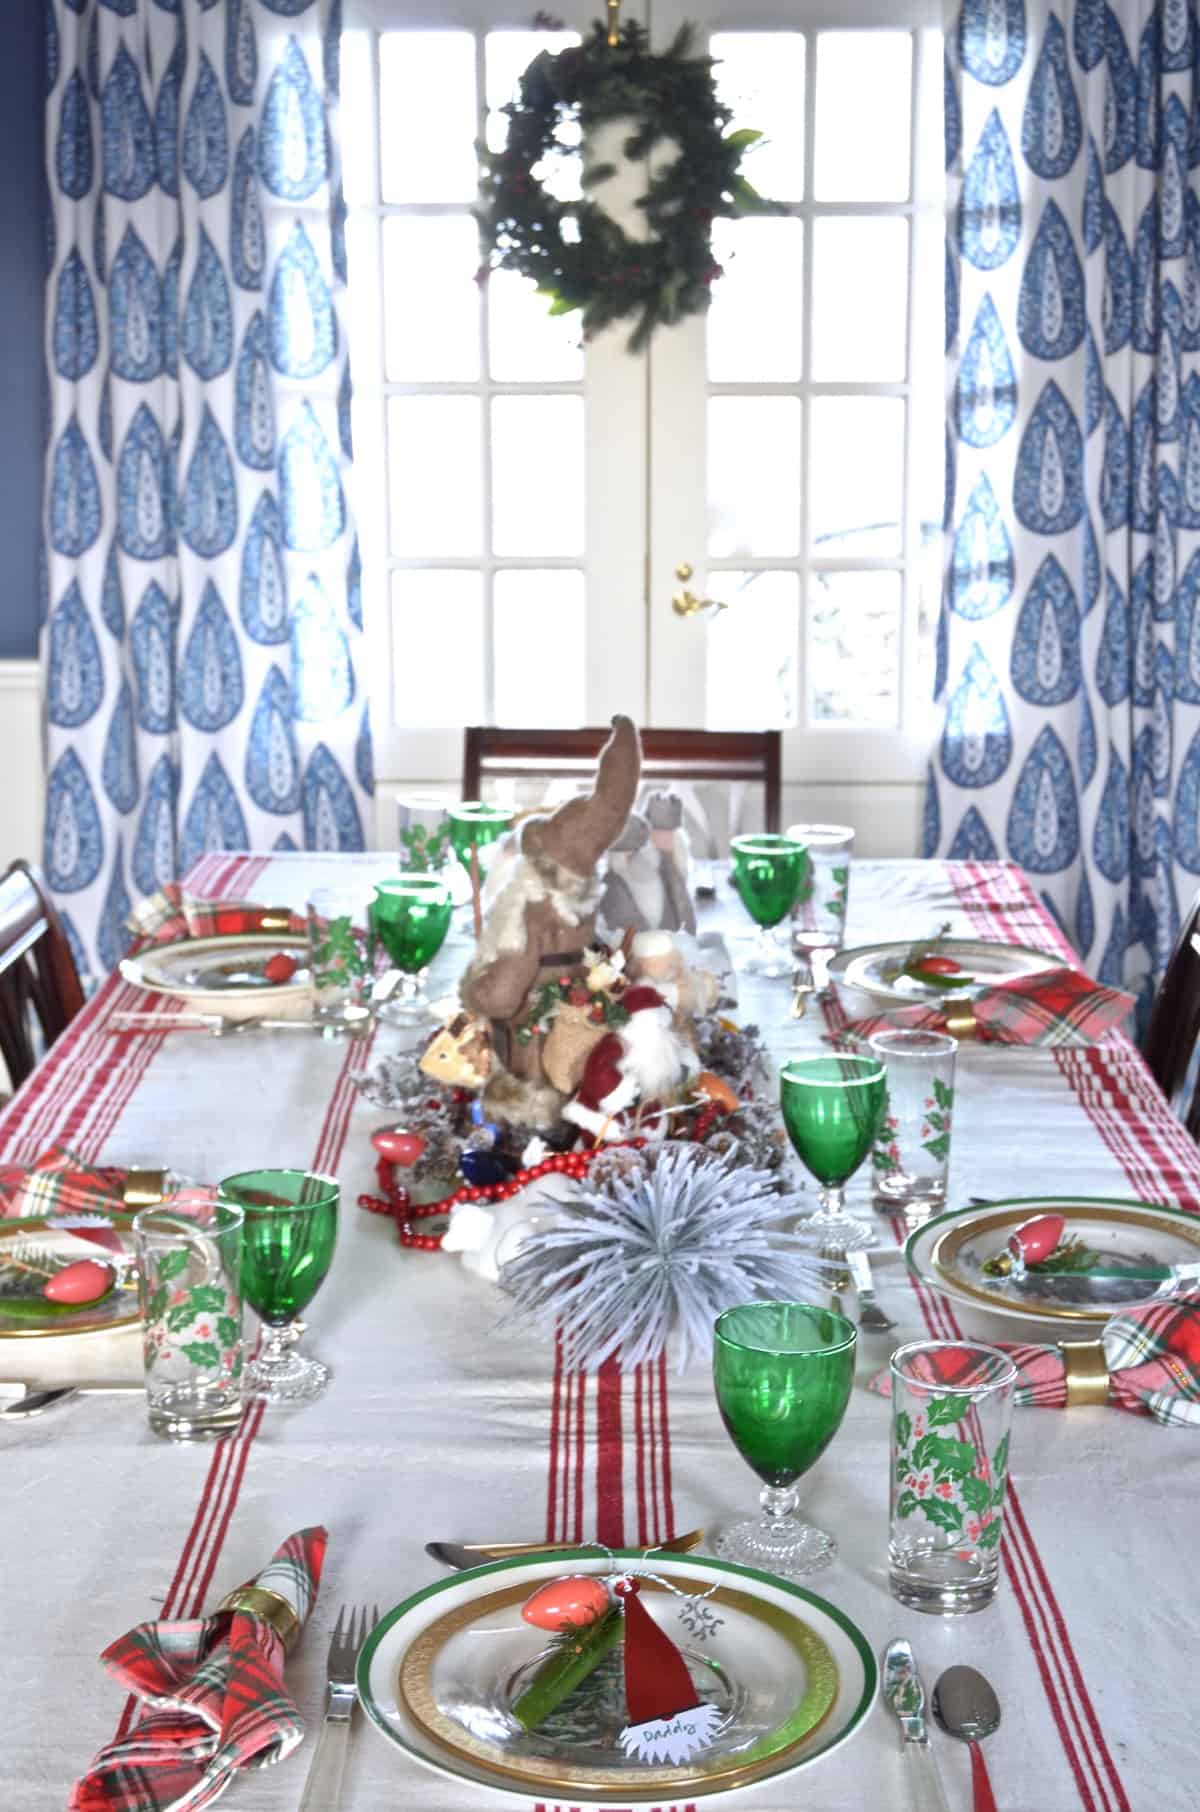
1153 1356
216 1698
169 915
1059 1006
60 1183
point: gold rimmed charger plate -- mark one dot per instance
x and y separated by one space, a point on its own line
174 970
103 1317
545 1774
934 1250
874 969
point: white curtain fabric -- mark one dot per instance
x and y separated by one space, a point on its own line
1069 657
203 620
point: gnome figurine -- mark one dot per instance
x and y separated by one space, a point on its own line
540 925
646 886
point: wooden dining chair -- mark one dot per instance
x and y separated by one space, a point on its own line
40 991
754 756
1174 1028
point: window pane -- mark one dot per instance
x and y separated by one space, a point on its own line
435 461
437 636
752 651
856 459
860 300
537 475
431 299
864 112
760 75
528 344
427 115
540 649
508 55
754 320
854 648
753 475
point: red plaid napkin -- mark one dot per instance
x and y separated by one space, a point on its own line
1059 1006
59 1183
1153 1356
169 915
217 1700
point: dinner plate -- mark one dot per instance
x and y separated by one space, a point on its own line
439 1673
875 969
24 1244
225 975
949 1251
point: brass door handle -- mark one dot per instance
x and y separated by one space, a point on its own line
685 603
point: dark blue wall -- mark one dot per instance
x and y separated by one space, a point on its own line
23 206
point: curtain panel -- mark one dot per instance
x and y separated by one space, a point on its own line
1069 645
202 634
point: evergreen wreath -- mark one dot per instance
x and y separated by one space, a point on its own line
575 252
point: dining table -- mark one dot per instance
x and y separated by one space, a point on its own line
446 1420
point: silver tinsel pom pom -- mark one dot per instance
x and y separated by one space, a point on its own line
659 1246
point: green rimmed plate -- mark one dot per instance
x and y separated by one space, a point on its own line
437 1675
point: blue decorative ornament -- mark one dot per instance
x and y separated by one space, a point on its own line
208 315
1051 129
1043 821
1045 653
119 762
74 158
113 937
322 671
1051 313
154 853
1048 493
241 53
214 818
130 157
211 687
75 337
152 645
135 312
986 390
208 514
293 152
247 242
972 841
302 328
1112 661
143 508
481 1168
272 755
262 594
989 208
205 144
73 848
310 488
75 676
331 819
991 39
981 565
254 404
1110 839
74 495
977 738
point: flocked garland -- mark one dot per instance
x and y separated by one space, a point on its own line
576 253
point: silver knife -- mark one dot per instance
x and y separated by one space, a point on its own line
38 1397
904 1693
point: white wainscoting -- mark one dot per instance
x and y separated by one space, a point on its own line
21 765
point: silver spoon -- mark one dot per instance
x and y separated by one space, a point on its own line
966 1707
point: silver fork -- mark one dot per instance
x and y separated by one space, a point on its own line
323 1788
870 1315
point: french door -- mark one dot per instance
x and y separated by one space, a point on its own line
739 526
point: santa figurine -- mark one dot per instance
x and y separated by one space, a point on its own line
633 1073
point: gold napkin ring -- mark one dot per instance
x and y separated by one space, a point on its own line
269 1607
962 1025
143 1188
1087 1372
275 918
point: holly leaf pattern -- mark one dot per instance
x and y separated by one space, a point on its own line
903 1428
976 1494
172 1264
943 1094
906 1503
180 1317
202 1352
947 1409
227 1330
990 1537
1000 1459
946 1516
207 1298
947 1459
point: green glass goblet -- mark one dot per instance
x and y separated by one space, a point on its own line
768 872
410 916
783 1372
476 827
288 1234
832 1107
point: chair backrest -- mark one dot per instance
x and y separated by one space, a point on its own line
687 756
40 992
1174 1028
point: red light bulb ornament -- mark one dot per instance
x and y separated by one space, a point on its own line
667 1722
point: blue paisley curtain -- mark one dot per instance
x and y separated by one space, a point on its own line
1069 652
202 611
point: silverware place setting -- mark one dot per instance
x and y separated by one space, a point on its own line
964 1706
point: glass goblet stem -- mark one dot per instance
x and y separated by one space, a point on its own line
778 1503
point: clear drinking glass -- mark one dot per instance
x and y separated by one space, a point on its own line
951 1412
424 827
819 915
291 1219
783 1373
189 1256
911 1153
339 954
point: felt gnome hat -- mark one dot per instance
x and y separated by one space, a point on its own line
578 833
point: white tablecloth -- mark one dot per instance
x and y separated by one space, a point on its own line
438 1425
